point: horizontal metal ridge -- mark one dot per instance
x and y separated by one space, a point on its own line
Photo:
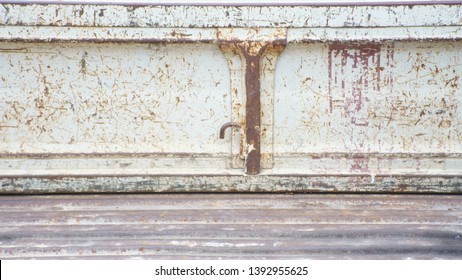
239 2
231 226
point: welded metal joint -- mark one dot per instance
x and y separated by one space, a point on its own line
226 126
251 54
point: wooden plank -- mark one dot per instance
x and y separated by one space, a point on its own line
209 226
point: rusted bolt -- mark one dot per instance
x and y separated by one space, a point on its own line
225 126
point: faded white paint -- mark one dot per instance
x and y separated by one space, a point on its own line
87 98
237 68
369 98
237 2
346 96
237 17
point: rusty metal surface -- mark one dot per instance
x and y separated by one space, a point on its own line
294 183
360 98
231 226
238 17
238 2
234 44
252 53
110 98
387 107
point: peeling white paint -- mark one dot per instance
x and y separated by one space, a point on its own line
250 148
92 91
219 16
111 98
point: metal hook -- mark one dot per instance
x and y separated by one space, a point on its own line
225 126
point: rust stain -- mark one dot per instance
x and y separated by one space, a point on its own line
225 126
252 53
179 34
360 165
360 67
453 82
389 79
179 39
83 63
46 90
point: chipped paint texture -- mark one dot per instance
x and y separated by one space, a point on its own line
199 183
369 98
219 16
247 49
350 96
110 98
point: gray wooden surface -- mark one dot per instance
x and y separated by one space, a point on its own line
231 226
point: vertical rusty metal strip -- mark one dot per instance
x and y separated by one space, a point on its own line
252 54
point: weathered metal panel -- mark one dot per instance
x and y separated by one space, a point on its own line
231 226
375 103
238 17
86 98
362 98
238 2
252 56
370 98
195 182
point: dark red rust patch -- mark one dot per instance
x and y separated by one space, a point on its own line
253 106
360 165
252 52
358 74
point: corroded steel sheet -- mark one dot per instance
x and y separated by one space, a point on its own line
231 226
112 98
369 98
238 17
81 182
347 98
390 108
